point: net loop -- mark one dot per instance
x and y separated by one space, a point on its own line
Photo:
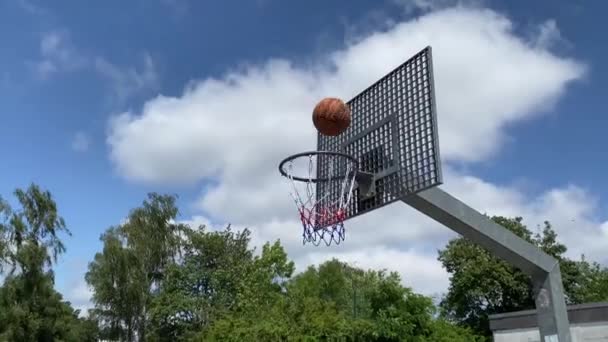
322 210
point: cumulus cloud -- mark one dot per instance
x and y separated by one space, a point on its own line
573 211
239 126
419 269
80 296
548 35
74 287
411 239
410 6
232 131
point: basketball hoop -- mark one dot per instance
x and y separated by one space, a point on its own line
323 195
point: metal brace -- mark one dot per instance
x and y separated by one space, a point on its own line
366 183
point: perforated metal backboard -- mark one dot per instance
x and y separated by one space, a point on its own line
393 134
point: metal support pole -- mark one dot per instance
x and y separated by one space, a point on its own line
544 269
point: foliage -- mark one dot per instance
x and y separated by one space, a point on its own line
338 302
30 308
481 284
204 285
593 283
159 280
36 223
444 331
117 288
210 285
129 272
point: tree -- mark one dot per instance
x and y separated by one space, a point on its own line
218 275
37 223
5 232
445 331
203 285
593 283
481 284
118 288
30 308
129 272
338 302
160 281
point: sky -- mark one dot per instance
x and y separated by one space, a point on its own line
101 104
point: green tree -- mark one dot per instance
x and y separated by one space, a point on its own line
218 275
204 284
37 223
160 281
30 308
128 274
117 284
5 232
481 284
593 282
445 331
338 302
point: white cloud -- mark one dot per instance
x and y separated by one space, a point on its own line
57 55
80 296
548 34
75 288
573 211
126 82
238 127
410 6
405 234
234 130
81 142
419 269
81 292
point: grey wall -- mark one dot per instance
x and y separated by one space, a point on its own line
588 323
589 332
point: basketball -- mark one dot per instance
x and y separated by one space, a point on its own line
331 116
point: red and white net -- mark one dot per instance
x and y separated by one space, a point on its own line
322 207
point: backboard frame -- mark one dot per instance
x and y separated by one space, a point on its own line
393 135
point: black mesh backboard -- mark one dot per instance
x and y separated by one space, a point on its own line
393 134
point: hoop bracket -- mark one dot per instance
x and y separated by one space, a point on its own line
366 183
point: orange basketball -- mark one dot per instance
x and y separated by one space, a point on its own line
331 116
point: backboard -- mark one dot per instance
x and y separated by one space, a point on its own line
393 135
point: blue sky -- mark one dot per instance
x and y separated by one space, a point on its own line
569 143
66 70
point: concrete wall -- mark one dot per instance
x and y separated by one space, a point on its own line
588 323
589 332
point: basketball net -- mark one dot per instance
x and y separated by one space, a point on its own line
321 210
